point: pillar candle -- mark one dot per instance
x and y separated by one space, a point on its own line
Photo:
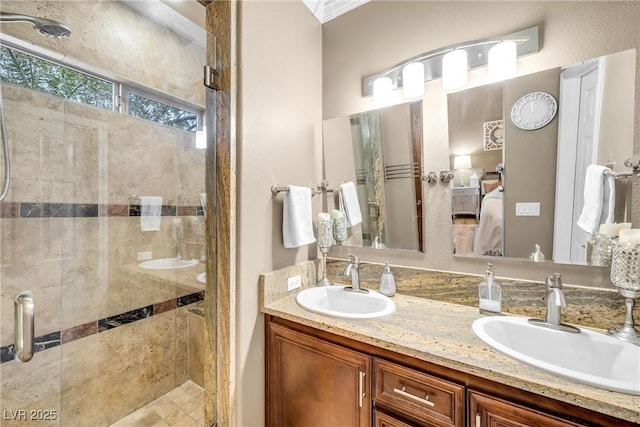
336 214
609 229
630 235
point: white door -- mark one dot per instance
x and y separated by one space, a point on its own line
577 148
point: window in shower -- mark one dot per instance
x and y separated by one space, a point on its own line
161 112
20 67
35 73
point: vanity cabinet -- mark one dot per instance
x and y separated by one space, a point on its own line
315 378
310 382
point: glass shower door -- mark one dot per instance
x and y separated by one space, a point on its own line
95 122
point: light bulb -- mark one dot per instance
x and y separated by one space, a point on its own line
413 80
502 61
454 69
382 91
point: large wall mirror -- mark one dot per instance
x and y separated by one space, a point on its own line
381 152
514 188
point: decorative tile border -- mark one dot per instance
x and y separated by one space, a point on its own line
85 210
57 338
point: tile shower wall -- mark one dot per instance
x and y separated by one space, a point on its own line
112 337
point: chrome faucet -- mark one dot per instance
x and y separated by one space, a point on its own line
555 302
352 269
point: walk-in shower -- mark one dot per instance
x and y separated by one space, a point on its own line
90 131
48 28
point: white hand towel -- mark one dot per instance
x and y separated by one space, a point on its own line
608 215
150 213
203 203
297 228
349 201
599 199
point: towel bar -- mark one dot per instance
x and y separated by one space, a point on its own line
618 175
275 189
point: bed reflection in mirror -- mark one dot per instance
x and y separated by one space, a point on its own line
381 152
530 183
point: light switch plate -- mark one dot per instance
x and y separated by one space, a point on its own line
527 209
294 282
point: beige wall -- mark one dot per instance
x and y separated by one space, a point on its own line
279 142
570 31
616 123
530 170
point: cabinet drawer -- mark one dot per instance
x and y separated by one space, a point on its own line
380 419
465 191
488 411
428 399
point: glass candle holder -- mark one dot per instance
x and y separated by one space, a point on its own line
625 274
325 240
602 249
625 266
340 229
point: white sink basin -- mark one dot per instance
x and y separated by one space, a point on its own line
202 277
334 301
587 357
167 263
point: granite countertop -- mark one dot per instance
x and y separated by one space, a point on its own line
440 332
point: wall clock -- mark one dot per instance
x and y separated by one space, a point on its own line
534 110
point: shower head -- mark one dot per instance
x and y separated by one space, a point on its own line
46 27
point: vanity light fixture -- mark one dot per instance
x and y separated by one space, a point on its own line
413 80
477 52
382 87
502 61
454 69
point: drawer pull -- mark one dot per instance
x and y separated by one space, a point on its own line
404 393
361 392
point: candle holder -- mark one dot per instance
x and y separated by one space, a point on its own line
340 229
602 249
325 240
625 274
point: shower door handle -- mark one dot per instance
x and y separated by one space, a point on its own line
24 326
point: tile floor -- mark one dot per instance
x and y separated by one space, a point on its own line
181 407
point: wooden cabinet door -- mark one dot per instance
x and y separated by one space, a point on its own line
310 382
487 411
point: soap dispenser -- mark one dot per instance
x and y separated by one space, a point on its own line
537 256
387 282
490 293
